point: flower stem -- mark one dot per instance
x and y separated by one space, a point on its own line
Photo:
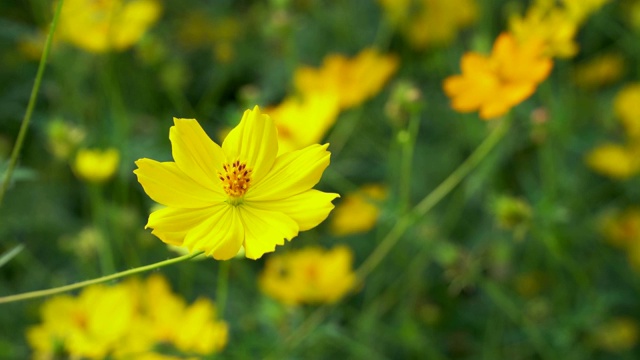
407 139
7 256
433 198
60 289
32 103
405 221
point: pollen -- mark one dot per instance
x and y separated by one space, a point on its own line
236 179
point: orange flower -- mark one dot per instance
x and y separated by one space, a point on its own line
496 83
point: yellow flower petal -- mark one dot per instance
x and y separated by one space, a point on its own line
196 154
166 184
292 173
308 209
220 235
171 225
264 230
254 141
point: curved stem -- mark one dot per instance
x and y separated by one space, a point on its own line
405 221
32 103
429 201
60 289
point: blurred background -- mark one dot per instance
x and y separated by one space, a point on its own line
535 255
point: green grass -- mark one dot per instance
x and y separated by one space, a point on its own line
445 288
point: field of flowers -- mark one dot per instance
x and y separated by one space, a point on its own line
316 179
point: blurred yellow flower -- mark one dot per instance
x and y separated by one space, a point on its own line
622 229
198 30
529 284
352 80
396 11
88 326
579 10
430 22
494 84
125 321
613 160
302 121
627 108
359 211
96 166
166 318
552 25
604 69
631 9
309 276
100 26
221 199
32 45
617 334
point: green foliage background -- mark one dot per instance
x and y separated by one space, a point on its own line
446 290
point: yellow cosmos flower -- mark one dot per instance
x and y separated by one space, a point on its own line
303 121
310 276
96 165
549 24
494 84
100 26
613 160
352 80
220 199
396 11
126 321
602 70
164 317
617 334
579 10
437 22
359 211
88 326
627 108
621 229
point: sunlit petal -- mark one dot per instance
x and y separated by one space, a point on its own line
265 229
220 235
196 154
292 173
308 209
166 184
253 141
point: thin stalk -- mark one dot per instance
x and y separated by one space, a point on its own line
65 288
7 256
405 221
408 143
431 200
32 103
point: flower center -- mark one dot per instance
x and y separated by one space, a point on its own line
235 180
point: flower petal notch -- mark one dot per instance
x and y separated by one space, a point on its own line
220 199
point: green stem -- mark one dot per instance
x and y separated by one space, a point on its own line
61 289
429 201
223 286
405 221
32 103
407 139
7 256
